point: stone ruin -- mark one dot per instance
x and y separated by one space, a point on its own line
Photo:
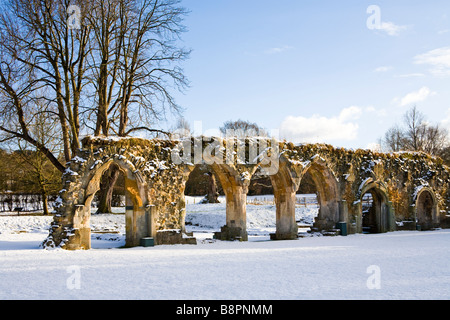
409 190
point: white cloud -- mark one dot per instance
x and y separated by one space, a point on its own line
278 50
414 97
438 59
322 129
351 113
391 28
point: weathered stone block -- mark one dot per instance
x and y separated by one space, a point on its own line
172 237
231 234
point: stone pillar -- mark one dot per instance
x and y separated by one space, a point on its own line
287 228
80 237
129 225
136 216
236 227
343 211
391 225
136 224
150 213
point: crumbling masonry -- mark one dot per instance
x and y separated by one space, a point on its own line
409 191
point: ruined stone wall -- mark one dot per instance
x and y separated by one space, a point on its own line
164 180
155 184
403 174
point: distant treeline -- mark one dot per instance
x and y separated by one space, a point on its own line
27 180
10 202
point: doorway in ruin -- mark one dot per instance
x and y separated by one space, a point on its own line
205 202
127 222
261 206
108 209
426 210
307 203
374 211
286 183
320 180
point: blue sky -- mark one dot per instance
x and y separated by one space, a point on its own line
314 70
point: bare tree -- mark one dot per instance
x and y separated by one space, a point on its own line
243 129
134 61
421 135
119 65
435 140
416 135
36 35
42 177
394 139
445 154
18 107
415 128
150 64
104 60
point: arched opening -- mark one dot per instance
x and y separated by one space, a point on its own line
261 203
128 223
374 210
307 203
205 203
426 210
108 209
304 198
110 198
321 180
261 208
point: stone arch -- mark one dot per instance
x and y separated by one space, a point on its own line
154 176
328 194
235 186
379 218
71 226
138 222
426 209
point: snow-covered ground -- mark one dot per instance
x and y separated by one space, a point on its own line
261 211
408 265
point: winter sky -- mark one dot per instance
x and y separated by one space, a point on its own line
339 72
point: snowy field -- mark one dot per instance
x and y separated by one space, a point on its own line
399 265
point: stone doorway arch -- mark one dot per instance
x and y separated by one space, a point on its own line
71 226
376 218
138 222
235 186
427 210
328 195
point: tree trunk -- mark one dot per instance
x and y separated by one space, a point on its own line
45 203
213 195
107 183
